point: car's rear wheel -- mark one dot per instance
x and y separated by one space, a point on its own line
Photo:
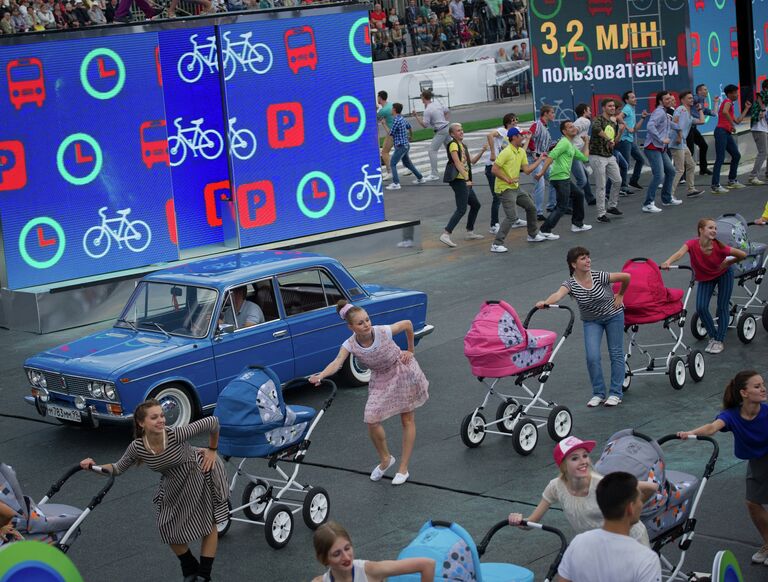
354 372
176 404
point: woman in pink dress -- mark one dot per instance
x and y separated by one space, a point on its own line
397 385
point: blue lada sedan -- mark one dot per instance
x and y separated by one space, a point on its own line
188 330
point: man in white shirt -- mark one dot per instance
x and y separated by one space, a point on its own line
609 554
435 116
247 312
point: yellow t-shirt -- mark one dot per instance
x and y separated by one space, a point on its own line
511 159
765 211
454 147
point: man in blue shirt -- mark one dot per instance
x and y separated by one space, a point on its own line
694 137
627 145
401 133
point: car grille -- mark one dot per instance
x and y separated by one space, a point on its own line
67 384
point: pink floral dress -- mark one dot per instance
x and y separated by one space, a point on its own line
394 387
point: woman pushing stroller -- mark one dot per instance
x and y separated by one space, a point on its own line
711 261
397 384
193 493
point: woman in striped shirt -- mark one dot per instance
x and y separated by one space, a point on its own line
192 496
601 311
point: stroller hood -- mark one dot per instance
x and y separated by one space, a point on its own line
732 230
647 300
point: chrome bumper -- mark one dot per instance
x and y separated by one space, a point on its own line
90 416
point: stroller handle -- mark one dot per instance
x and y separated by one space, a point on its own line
76 469
710 468
568 329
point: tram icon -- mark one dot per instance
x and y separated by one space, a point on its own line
300 48
26 83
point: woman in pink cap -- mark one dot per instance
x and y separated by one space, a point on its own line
574 489
397 384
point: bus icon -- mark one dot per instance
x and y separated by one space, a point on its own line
300 48
154 143
26 83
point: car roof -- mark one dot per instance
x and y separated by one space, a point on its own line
223 271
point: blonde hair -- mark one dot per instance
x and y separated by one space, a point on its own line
324 538
350 312
564 472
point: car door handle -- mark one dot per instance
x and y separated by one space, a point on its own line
281 333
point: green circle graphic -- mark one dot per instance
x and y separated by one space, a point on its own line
84 73
23 242
709 48
37 557
720 4
542 15
332 112
586 49
96 152
352 48
331 195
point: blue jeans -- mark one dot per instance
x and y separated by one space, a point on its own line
401 153
538 190
627 149
704 292
662 169
496 199
724 142
593 336
579 173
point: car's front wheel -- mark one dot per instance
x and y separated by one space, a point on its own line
176 404
354 372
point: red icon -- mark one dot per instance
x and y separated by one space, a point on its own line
42 241
13 166
734 43
104 72
26 83
600 7
211 203
316 193
300 48
256 204
285 125
157 66
696 49
154 148
698 5
348 117
170 219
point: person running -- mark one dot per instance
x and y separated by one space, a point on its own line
497 141
745 414
724 142
711 262
193 493
656 146
400 134
694 137
385 118
397 384
602 161
561 159
602 311
435 116
627 145
682 122
334 550
574 489
759 130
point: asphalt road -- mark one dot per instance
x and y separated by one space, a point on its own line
474 487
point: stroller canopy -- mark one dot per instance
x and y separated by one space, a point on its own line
253 417
647 300
732 231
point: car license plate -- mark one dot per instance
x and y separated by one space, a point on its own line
64 413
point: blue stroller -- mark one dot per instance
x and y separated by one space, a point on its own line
458 559
255 422
51 523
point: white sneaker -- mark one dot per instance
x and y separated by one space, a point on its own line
446 239
716 348
755 181
386 176
594 402
419 181
735 185
673 202
612 401
581 228
498 248
651 208
430 178
378 472
537 238
405 244
708 349
760 556
472 235
549 235
394 186
519 223
494 229
400 478
719 190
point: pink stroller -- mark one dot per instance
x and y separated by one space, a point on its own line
648 301
498 345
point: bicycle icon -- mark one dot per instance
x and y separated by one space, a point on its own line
560 113
758 45
209 142
192 64
242 142
256 56
361 193
98 239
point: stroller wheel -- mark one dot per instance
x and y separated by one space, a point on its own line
765 318
251 494
746 328
559 423
627 377
223 528
696 365
473 430
316 507
697 327
278 527
525 437
506 411
677 372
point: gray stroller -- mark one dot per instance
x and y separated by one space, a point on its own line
670 514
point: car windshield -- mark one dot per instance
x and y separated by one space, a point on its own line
170 309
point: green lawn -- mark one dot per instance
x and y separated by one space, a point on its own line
424 134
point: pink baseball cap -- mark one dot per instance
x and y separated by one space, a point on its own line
565 446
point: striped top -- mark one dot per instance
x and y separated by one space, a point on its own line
597 302
188 502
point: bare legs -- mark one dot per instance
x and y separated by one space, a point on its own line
379 440
759 516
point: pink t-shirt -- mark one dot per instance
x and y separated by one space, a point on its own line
707 267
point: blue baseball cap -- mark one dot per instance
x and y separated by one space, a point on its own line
513 131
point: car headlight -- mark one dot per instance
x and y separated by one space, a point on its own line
36 378
109 391
96 389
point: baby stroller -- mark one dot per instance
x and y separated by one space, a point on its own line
458 559
255 422
648 301
498 345
670 514
748 274
51 523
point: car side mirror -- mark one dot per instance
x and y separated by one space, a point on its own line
225 328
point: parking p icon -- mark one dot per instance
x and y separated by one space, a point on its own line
285 125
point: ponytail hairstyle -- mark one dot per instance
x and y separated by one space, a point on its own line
732 395
573 255
349 313
140 414
702 223
324 538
